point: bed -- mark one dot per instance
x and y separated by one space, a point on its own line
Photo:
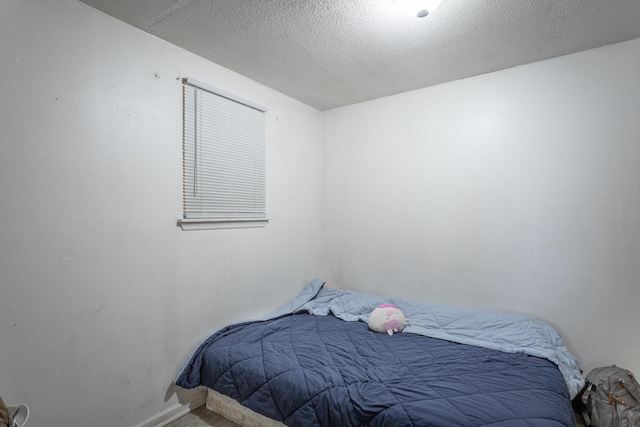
314 362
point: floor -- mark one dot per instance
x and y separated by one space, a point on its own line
202 417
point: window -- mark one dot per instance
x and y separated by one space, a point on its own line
224 175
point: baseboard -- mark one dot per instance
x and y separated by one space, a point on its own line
173 412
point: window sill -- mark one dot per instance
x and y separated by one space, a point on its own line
220 223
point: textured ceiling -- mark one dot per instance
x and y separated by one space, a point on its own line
331 53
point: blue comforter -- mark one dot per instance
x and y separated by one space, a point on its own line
316 369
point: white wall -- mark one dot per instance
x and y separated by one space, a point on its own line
102 296
517 191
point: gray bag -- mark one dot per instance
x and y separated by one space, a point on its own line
633 417
614 400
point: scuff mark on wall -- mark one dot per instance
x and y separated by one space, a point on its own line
69 255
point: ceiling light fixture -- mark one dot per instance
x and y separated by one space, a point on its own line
419 8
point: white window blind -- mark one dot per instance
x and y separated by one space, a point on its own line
224 176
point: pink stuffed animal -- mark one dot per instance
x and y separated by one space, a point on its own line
387 318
